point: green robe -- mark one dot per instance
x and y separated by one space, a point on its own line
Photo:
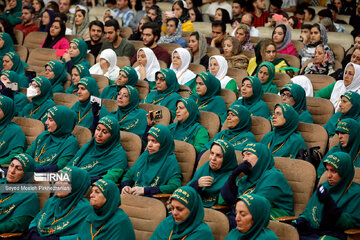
14 16
299 97
190 130
111 91
284 141
260 209
81 58
60 77
19 68
267 181
98 158
11 135
83 72
345 193
51 148
109 220
210 194
193 227
131 118
7 47
269 86
169 96
254 104
240 135
210 101
353 112
40 104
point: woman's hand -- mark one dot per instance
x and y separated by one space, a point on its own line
66 57
142 72
205 181
139 191
126 190
149 121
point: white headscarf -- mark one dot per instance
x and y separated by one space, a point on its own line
305 83
223 68
340 88
183 74
152 64
113 72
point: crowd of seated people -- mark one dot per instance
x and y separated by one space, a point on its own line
226 79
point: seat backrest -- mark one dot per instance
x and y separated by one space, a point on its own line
126 32
162 64
238 75
298 45
71 37
166 115
39 57
211 51
302 182
109 104
90 58
338 50
170 47
184 91
249 54
211 122
218 222
186 156
19 35
229 96
333 141
132 145
314 135
123 61
34 40
284 231
281 79
271 100
22 51
196 68
82 134
319 81
137 44
143 89
292 60
31 128
260 126
141 211
101 81
321 109
65 99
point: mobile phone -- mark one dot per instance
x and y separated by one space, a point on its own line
30 75
169 14
13 86
60 52
94 99
278 17
156 115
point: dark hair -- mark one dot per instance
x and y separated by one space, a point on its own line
49 41
196 34
277 3
198 14
62 16
8 28
29 8
53 5
299 11
219 24
283 27
325 13
113 23
296 21
158 19
175 20
332 7
225 15
155 28
97 23
83 12
138 5
306 26
185 12
113 2
311 11
42 27
42 4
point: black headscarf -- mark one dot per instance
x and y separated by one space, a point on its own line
50 41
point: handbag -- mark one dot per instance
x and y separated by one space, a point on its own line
311 155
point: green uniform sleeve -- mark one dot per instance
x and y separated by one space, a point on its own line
200 138
129 176
345 222
173 183
114 174
232 86
70 237
15 225
13 19
63 161
325 92
13 153
31 149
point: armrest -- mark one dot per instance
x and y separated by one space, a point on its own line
162 195
352 231
286 219
11 236
220 207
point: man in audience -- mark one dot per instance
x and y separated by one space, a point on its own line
275 7
140 14
300 14
305 33
121 46
259 13
309 14
151 34
64 7
96 31
335 12
218 32
111 4
218 4
124 12
327 13
237 11
248 19
288 5
27 24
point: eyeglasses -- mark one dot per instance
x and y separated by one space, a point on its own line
288 96
160 78
124 95
277 114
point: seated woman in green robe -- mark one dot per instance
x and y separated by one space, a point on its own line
43 100
349 142
253 215
187 128
7 46
262 178
238 128
83 108
127 76
251 95
211 177
186 219
131 118
334 207
56 146
12 138
77 72
157 169
76 55
284 140
266 74
13 12
207 95
20 99
294 95
63 214
18 209
56 73
103 152
166 90
12 61
107 220
349 108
